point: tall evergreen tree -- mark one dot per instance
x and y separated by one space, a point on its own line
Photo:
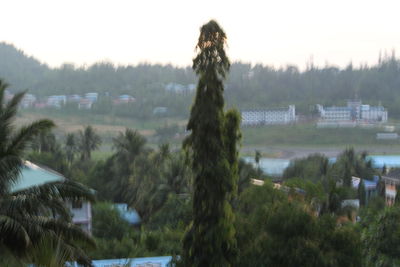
210 240
361 193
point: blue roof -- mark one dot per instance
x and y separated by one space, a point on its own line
392 161
129 215
163 261
33 175
370 184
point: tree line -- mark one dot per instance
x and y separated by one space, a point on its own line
247 86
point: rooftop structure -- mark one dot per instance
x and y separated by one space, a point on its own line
34 175
164 261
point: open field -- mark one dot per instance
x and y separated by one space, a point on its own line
273 141
309 135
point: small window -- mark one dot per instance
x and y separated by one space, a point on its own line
77 204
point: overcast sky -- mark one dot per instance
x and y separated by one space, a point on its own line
277 32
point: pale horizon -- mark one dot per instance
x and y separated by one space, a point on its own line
165 32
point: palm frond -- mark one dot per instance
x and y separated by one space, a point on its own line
12 233
26 134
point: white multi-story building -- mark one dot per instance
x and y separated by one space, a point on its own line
354 111
269 116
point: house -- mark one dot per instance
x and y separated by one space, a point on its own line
28 101
56 101
124 99
34 175
85 103
92 96
269 116
391 181
179 88
371 187
74 98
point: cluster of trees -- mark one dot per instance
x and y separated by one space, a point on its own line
248 86
35 224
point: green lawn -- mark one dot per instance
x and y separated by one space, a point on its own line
310 135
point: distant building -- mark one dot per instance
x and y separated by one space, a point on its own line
85 103
179 88
387 136
28 101
56 101
269 116
160 110
392 181
74 98
124 99
370 186
34 175
355 112
92 96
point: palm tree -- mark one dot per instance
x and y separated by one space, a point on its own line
128 146
29 215
89 141
71 147
13 142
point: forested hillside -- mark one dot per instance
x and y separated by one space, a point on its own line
248 86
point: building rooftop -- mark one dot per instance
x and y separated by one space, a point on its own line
163 261
33 175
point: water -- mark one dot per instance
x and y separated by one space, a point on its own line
276 167
391 161
270 166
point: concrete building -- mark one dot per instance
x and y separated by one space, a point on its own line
124 99
56 101
180 88
85 103
28 101
269 116
392 181
34 175
355 111
92 96
371 187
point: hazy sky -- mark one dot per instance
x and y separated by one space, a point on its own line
277 32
